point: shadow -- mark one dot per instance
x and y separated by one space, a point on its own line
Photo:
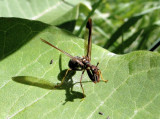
10 41
69 25
68 86
42 83
68 82
60 62
33 81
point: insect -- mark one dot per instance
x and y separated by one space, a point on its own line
82 63
51 62
100 113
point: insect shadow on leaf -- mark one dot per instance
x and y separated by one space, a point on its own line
34 81
43 83
68 84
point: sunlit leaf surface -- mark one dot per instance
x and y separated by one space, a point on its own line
48 11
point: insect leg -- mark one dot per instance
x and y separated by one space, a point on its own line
81 82
63 78
102 77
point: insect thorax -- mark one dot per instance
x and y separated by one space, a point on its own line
75 65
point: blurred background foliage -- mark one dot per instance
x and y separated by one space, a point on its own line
122 26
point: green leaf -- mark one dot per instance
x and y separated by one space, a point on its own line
51 12
127 43
147 32
155 45
94 6
123 28
126 25
27 77
142 36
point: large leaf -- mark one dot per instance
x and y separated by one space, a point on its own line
54 12
27 78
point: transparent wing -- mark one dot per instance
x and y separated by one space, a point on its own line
88 40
